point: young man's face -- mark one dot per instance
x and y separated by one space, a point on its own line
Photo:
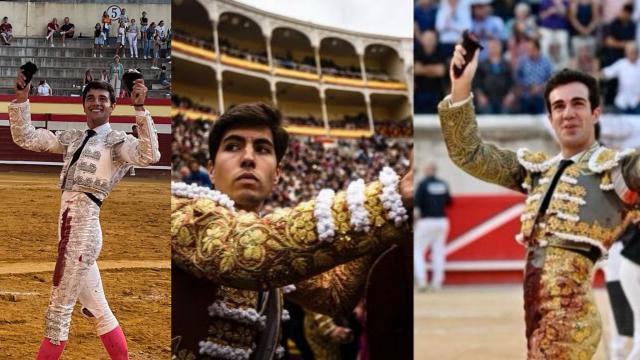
97 107
245 166
571 116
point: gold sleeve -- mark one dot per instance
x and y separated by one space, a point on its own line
467 150
246 251
337 291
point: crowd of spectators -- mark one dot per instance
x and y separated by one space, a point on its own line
309 166
524 43
288 61
393 128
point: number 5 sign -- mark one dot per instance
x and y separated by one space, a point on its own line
114 11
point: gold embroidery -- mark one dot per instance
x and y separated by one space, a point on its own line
246 251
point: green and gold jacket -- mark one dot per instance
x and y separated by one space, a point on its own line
589 203
232 264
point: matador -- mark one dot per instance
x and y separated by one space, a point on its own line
232 261
95 161
576 203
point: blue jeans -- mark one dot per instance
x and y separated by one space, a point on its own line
106 36
147 48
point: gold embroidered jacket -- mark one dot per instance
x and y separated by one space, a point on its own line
242 255
589 202
243 250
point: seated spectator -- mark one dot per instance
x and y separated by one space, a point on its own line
554 30
585 19
627 71
485 25
453 17
67 30
52 29
430 74
586 61
197 175
162 76
519 30
493 82
424 16
531 75
44 89
87 78
6 31
617 35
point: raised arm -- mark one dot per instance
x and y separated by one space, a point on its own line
144 150
466 149
24 134
244 250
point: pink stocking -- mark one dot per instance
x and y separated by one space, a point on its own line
49 351
115 344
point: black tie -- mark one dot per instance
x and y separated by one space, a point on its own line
76 155
547 196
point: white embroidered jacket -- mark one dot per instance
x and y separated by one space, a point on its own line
105 159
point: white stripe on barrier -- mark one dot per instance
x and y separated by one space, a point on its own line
484 228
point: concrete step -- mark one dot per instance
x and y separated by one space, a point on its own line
71 73
152 94
80 62
60 51
76 42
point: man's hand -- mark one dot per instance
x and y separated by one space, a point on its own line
21 95
461 87
341 334
138 94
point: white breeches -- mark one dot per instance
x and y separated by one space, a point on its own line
76 275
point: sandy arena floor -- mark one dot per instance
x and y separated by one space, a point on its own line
134 265
480 322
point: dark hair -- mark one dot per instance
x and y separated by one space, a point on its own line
99 85
250 115
535 42
566 76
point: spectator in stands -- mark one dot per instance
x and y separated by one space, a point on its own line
164 80
493 82
585 19
197 175
98 40
144 25
532 72
6 31
132 37
123 16
44 89
518 32
586 61
156 51
167 46
106 26
67 30
554 30
104 76
627 71
430 73
617 35
148 45
454 16
161 30
87 78
116 70
121 41
424 16
52 29
485 25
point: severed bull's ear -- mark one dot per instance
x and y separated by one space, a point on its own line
29 69
129 77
